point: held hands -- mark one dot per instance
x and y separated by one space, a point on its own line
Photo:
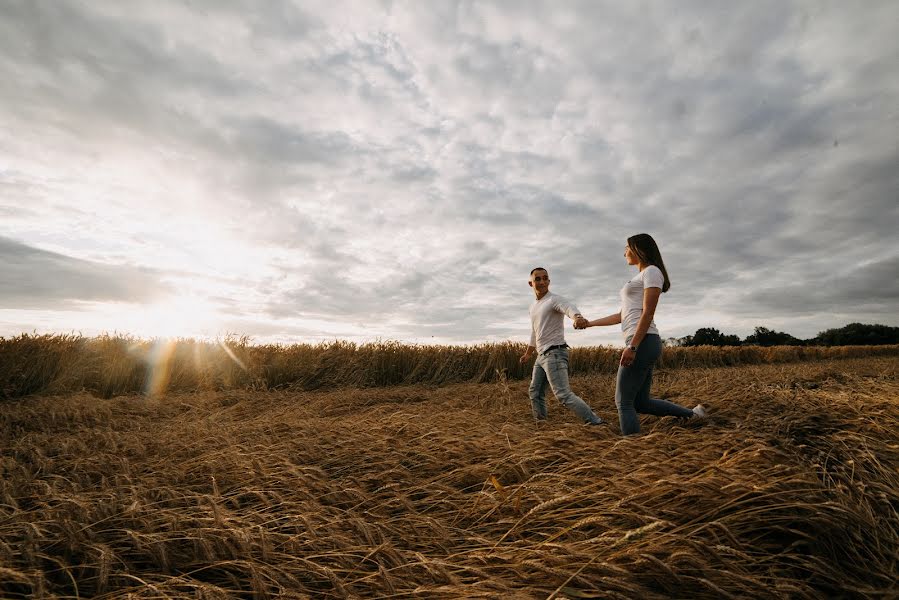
581 323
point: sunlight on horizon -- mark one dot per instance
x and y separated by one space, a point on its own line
181 316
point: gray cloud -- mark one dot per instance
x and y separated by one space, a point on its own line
269 141
396 164
872 287
32 278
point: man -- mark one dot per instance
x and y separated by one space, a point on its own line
548 339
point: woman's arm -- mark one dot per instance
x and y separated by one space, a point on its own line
610 320
650 302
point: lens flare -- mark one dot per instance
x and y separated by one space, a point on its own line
159 367
233 356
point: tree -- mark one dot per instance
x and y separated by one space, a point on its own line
858 334
709 336
766 337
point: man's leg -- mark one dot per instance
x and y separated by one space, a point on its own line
556 365
537 391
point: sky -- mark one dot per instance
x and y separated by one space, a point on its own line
311 171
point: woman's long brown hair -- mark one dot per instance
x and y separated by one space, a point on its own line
647 251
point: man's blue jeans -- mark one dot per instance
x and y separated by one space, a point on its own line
552 368
632 389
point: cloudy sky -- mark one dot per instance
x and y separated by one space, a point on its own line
305 171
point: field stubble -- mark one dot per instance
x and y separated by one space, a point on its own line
790 488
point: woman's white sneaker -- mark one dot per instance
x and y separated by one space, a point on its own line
699 411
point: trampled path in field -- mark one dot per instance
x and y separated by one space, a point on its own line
790 488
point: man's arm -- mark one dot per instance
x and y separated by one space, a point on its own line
527 354
532 346
568 308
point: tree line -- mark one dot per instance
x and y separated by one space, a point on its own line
854 334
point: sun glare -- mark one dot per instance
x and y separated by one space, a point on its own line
182 316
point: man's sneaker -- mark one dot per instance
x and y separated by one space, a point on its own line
699 411
600 422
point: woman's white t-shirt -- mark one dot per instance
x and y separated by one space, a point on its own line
632 299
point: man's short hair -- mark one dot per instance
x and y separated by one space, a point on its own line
538 269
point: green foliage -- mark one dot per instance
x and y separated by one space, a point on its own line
858 334
767 337
709 336
854 334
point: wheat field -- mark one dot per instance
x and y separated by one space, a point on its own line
110 366
788 489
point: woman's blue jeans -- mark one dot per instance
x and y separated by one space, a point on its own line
632 389
552 367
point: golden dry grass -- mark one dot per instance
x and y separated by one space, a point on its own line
109 366
789 489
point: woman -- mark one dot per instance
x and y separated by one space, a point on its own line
639 298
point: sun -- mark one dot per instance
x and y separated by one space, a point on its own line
178 316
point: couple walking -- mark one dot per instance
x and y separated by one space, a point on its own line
639 298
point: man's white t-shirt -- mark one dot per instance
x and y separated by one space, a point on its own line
632 299
548 320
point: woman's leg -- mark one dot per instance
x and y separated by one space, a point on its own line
651 346
630 383
647 405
